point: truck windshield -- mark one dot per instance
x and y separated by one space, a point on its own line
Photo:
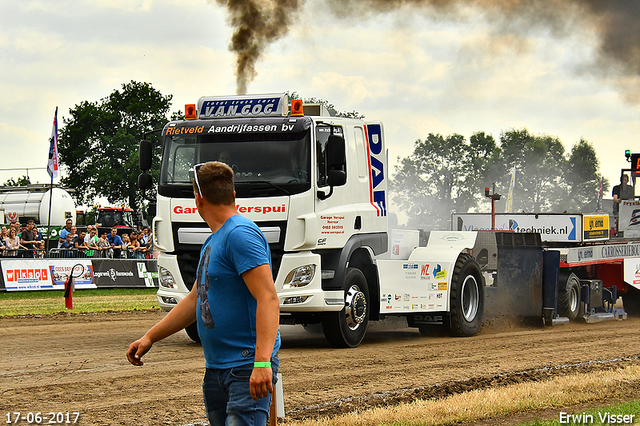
111 218
265 164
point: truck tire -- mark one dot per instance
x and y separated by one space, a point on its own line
569 296
192 332
631 302
346 329
466 297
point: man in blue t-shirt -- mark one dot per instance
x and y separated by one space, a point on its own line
64 232
116 243
235 304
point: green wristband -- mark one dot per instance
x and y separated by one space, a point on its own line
262 364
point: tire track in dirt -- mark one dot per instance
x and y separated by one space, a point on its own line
77 363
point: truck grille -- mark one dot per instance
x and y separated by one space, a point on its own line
189 254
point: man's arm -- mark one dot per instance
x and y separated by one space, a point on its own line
24 241
260 283
616 194
182 315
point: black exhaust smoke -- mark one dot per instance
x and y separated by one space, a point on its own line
615 24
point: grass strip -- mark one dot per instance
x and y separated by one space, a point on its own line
84 301
500 402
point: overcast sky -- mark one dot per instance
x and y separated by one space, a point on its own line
416 70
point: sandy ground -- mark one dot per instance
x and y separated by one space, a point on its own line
76 363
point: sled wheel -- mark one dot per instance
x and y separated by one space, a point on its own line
466 297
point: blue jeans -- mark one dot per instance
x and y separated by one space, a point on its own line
227 398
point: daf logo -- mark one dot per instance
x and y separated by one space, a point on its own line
432 319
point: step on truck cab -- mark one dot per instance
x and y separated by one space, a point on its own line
316 185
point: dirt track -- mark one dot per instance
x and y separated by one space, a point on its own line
77 363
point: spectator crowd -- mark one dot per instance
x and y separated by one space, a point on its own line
24 240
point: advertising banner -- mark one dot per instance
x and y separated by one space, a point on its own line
44 274
632 272
51 274
629 219
125 273
596 227
551 227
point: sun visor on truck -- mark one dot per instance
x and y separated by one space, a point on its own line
267 105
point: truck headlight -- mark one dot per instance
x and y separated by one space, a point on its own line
166 278
300 276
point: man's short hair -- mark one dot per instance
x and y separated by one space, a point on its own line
216 183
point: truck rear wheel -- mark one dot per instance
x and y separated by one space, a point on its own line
466 297
569 296
631 302
192 332
346 329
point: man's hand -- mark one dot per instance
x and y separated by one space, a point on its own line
137 349
260 383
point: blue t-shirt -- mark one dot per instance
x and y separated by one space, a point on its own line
226 309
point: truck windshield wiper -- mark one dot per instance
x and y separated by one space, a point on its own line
273 185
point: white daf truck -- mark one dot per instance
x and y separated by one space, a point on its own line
317 187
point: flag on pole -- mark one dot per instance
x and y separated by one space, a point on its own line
509 207
52 165
599 206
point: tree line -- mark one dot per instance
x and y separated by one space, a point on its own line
98 146
449 174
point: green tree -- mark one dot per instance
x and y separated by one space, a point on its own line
22 181
443 175
583 178
540 184
98 144
330 107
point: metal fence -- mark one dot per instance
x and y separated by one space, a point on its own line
62 253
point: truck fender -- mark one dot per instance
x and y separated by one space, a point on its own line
338 260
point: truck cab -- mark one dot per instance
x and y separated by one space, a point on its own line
316 185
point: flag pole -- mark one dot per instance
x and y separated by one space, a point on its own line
48 239
52 168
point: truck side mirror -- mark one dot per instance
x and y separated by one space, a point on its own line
336 161
336 164
336 178
146 155
144 181
335 151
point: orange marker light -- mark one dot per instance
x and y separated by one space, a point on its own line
296 108
190 112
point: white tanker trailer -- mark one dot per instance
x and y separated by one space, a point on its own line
22 203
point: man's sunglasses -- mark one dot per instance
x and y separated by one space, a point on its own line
193 172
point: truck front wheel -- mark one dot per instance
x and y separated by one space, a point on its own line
192 332
346 329
467 297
